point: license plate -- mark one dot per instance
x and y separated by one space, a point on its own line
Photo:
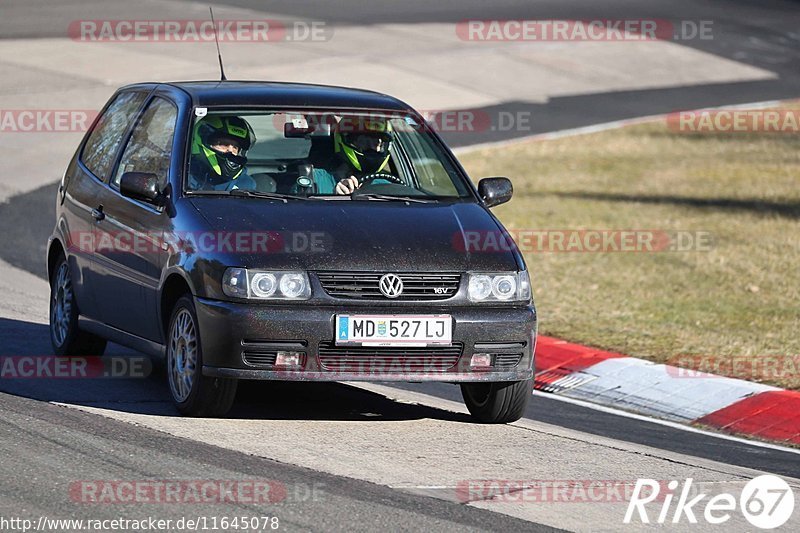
394 330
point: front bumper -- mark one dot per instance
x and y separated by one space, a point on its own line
229 330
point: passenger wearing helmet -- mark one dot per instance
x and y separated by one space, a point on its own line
219 148
362 145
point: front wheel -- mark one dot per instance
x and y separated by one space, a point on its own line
193 393
499 402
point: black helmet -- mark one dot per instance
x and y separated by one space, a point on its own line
209 130
364 142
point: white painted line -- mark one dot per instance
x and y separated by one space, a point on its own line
667 423
604 126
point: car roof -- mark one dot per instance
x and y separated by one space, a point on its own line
282 94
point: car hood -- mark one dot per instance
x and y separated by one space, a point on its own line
356 235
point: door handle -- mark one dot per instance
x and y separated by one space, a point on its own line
97 213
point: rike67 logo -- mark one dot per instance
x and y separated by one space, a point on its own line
767 502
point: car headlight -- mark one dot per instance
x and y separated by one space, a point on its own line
499 287
266 284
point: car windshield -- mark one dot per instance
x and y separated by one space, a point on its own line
376 156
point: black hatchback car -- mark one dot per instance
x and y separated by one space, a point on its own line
276 231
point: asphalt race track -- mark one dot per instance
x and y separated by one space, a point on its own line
348 457
759 34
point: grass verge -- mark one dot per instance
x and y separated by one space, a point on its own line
732 307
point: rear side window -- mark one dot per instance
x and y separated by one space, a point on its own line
103 143
150 146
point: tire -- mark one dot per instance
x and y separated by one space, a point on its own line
193 393
65 336
497 403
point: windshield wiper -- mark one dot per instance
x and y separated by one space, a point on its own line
388 198
268 195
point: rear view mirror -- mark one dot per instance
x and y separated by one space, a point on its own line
294 131
307 126
495 191
141 186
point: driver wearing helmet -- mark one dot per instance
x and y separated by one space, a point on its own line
362 145
219 148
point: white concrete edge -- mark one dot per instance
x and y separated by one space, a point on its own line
604 126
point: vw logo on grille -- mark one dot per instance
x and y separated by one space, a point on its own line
391 285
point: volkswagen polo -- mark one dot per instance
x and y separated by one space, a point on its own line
277 231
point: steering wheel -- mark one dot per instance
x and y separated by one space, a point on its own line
369 178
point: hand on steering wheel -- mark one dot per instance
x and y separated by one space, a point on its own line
347 185
350 184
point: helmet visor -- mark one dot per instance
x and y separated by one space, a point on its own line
369 142
225 143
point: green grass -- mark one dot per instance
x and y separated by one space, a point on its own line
739 299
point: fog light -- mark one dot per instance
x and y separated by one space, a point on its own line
289 359
480 360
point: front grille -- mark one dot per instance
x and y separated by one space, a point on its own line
416 285
386 359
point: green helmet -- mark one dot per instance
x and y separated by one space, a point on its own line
210 129
364 142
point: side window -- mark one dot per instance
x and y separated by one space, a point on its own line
103 143
150 146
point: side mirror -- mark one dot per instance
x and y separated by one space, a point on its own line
495 191
141 186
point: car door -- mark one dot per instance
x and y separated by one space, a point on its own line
130 235
82 182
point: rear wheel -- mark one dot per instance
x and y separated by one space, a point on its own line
65 336
193 393
497 403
